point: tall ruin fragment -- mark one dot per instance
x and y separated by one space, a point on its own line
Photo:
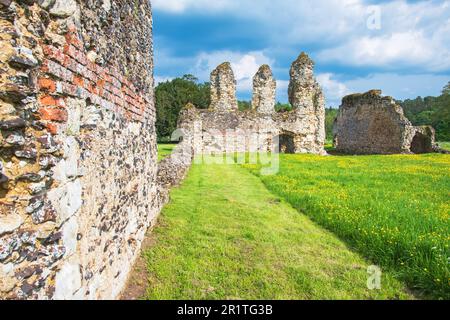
370 123
78 146
224 129
223 89
264 91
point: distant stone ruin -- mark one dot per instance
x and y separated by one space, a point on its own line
224 129
370 123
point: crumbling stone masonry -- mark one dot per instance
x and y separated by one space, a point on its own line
78 145
223 88
225 129
264 91
370 123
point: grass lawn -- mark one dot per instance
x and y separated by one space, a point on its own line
394 210
164 150
225 236
444 145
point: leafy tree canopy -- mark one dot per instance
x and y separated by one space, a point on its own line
172 96
434 111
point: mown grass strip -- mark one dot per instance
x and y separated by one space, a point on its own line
165 150
225 236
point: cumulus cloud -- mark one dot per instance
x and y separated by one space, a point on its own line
400 86
180 6
397 85
159 79
244 65
333 89
408 55
411 33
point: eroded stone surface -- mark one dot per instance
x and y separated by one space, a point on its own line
264 90
78 149
10 223
223 89
370 123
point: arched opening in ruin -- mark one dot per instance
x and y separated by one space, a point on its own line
421 144
286 143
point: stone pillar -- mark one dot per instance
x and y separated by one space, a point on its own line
223 89
307 99
302 86
264 90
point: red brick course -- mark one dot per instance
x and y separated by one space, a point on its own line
67 72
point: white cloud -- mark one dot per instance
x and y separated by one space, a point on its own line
411 34
180 6
245 66
396 85
408 56
333 89
392 51
400 86
159 79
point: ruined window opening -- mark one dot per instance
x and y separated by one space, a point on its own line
421 144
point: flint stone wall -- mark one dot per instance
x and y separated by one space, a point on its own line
370 123
173 169
78 146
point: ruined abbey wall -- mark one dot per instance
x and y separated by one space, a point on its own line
370 123
78 145
224 129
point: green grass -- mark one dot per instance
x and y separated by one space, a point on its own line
165 150
444 145
225 236
393 209
329 146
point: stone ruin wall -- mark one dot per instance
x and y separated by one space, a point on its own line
223 128
370 123
78 145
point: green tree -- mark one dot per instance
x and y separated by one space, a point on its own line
434 111
283 107
172 96
446 89
330 117
244 105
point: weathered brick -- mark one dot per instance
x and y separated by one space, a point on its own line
53 114
72 38
78 81
53 53
76 54
56 70
52 128
46 84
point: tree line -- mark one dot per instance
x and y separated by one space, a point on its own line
434 111
171 96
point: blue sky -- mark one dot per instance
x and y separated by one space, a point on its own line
401 47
